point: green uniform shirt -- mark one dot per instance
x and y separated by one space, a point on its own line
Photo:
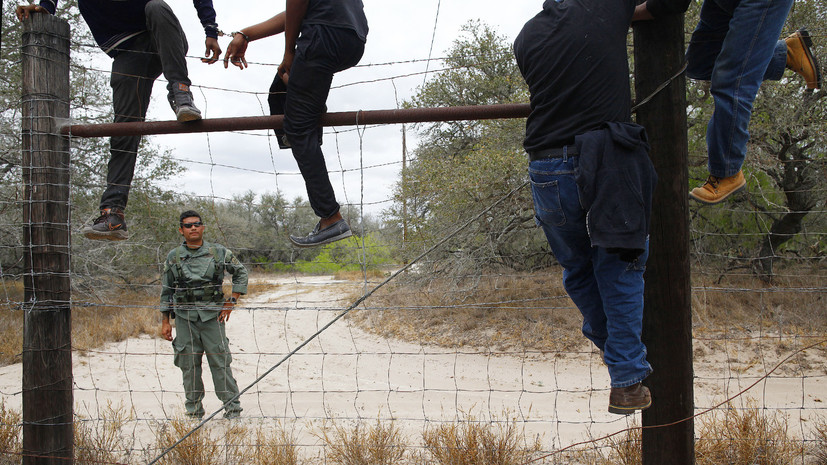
191 280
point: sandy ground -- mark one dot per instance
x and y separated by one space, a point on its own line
346 375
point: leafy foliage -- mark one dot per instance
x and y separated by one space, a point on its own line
786 167
460 168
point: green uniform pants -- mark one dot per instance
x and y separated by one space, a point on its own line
192 340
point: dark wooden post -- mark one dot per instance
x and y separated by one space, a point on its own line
47 343
667 325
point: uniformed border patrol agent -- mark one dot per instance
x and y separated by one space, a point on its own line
192 293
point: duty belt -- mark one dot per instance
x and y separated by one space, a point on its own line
557 152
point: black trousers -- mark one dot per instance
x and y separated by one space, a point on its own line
161 49
321 51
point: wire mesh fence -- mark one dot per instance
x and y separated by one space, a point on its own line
474 348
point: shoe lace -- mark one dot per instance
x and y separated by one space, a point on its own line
713 181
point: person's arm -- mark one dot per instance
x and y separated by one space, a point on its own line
166 327
206 13
238 46
239 273
229 305
166 301
294 16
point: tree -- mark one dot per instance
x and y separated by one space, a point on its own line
786 166
462 167
90 103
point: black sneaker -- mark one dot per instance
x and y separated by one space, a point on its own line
180 99
336 231
109 226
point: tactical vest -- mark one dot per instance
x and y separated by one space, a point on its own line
211 292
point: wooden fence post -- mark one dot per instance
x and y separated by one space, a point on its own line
667 321
47 343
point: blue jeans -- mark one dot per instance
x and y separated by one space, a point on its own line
607 290
736 47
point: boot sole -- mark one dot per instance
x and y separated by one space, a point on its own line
804 36
628 410
186 117
118 235
713 202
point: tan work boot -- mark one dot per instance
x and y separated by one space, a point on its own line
626 400
716 189
801 60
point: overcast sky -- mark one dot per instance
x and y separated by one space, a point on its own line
224 164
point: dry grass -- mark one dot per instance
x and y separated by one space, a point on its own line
379 444
136 313
92 325
110 317
818 448
528 311
792 302
359 275
277 447
197 449
625 448
11 321
102 440
532 311
10 435
472 442
745 436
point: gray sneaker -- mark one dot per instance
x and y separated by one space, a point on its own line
336 231
180 99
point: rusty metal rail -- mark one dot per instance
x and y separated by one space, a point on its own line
350 118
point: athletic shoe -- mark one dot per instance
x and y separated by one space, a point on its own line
181 101
336 231
109 226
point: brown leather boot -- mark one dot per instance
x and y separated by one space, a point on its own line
716 189
626 400
801 59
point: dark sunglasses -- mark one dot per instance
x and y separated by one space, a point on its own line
189 225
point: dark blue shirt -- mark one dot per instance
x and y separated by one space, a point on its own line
348 14
114 21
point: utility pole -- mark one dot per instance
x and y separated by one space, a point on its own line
667 318
47 338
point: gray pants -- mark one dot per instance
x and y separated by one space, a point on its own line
192 340
162 48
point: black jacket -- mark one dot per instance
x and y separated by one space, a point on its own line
616 181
